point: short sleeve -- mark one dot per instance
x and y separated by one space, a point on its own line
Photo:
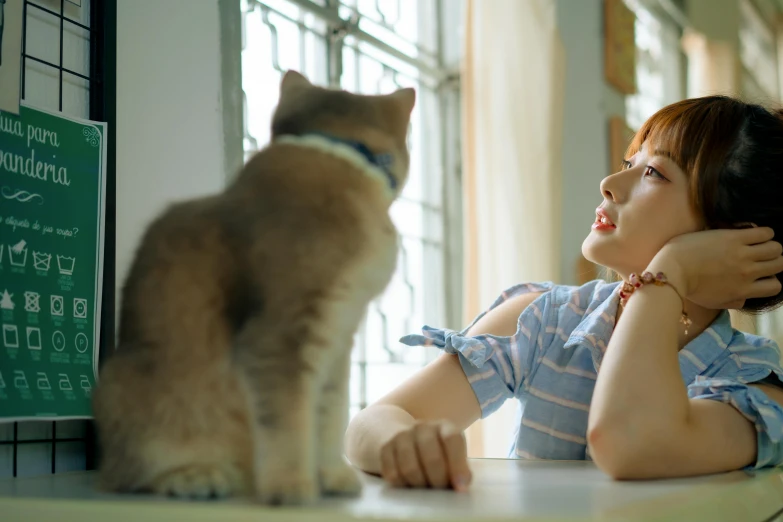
754 405
496 367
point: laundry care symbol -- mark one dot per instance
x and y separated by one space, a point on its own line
6 300
20 380
17 253
42 381
42 261
34 338
79 308
57 306
58 340
10 336
82 342
64 382
66 264
32 302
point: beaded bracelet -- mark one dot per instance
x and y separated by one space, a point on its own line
647 278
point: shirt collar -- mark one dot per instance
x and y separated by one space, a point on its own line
598 323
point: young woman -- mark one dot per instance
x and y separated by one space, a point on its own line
646 377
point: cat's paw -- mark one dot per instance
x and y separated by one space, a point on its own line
340 479
196 481
290 489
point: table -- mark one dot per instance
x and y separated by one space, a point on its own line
541 491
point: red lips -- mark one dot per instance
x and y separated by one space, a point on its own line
603 221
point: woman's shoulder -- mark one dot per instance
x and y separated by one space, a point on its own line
753 354
527 306
578 299
551 307
558 294
744 357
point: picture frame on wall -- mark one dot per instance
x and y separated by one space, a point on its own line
620 46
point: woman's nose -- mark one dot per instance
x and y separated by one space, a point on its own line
608 189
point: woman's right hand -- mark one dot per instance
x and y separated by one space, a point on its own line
428 454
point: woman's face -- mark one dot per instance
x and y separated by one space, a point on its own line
645 205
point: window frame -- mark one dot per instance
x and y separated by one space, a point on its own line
341 26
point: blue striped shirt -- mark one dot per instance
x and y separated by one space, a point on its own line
550 365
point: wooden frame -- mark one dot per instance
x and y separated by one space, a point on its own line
620 46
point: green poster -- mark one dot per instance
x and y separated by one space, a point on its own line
52 192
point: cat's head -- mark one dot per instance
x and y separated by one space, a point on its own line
378 122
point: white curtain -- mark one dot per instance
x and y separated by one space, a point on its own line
512 117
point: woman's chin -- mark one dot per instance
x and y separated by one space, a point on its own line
604 254
595 249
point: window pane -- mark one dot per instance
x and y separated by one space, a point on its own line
758 56
649 71
398 48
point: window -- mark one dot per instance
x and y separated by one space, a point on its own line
757 56
658 65
370 46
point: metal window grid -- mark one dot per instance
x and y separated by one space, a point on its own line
372 46
758 56
99 81
649 73
660 61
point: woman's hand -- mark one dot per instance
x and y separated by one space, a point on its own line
428 454
721 269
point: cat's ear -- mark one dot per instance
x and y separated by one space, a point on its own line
404 99
293 80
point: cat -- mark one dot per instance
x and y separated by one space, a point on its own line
239 311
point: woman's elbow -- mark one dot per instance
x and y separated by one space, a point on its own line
354 441
621 455
369 430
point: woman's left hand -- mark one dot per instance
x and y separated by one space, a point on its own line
721 269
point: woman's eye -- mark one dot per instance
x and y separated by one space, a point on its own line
627 165
649 171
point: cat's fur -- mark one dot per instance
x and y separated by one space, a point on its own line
238 315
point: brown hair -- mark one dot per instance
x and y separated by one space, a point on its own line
732 153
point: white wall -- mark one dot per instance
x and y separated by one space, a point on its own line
589 103
169 119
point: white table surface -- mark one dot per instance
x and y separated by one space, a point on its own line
502 490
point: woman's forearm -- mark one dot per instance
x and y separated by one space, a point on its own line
369 430
640 400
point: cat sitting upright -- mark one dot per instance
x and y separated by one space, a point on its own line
239 311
